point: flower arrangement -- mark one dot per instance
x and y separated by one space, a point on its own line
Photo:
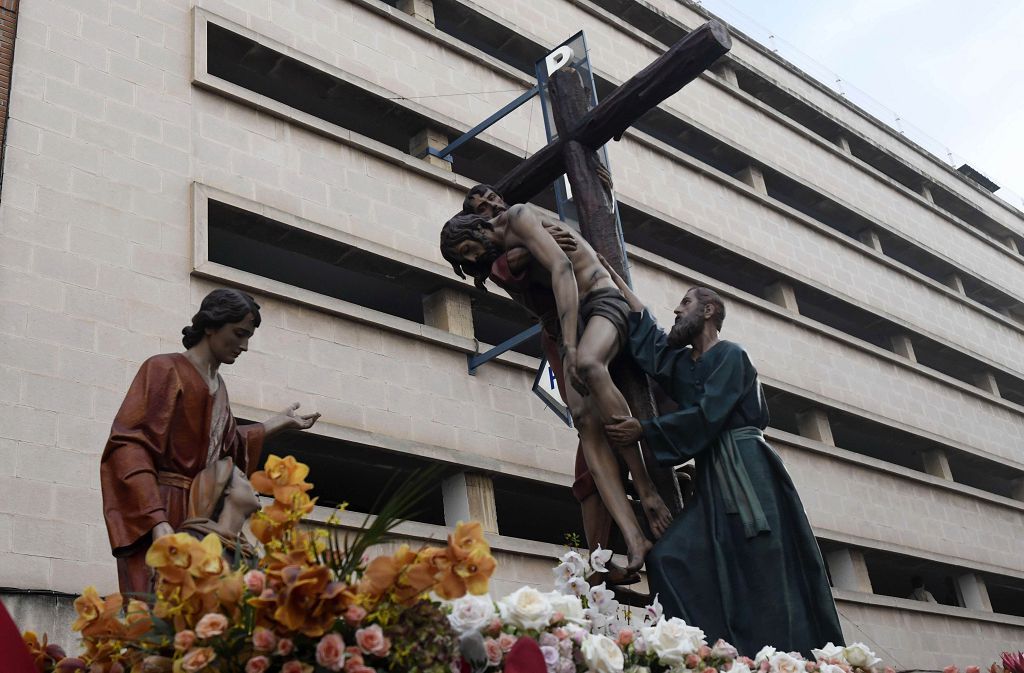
314 602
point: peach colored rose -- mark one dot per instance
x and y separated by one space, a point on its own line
362 669
494 628
212 624
493 648
184 640
692 661
330 652
296 666
285 646
625 637
354 615
255 580
506 640
704 651
264 640
372 640
257 664
197 660
972 669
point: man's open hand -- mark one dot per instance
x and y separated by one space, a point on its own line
624 431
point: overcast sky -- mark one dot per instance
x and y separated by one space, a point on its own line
953 69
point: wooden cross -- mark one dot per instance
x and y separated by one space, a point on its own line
574 152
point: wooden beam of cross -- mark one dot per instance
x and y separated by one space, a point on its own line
581 132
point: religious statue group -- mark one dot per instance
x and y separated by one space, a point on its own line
739 559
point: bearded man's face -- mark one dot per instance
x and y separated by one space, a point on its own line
689 321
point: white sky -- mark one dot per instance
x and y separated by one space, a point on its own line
954 69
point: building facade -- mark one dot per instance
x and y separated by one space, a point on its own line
157 149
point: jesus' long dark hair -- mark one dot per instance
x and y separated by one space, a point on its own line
220 307
467 227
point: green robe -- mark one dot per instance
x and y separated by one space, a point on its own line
740 561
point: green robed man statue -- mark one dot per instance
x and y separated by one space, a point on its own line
740 561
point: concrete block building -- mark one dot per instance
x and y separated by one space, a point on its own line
157 149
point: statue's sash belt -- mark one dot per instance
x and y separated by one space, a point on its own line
734 483
173 479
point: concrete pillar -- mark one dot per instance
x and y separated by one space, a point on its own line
926 192
936 463
869 237
782 293
903 346
1017 489
726 72
753 176
955 282
813 424
420 9
843 143
848 570
433 139
469 496
972 592
450 310
987 381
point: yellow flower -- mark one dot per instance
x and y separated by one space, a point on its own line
172 555
98 617
281 477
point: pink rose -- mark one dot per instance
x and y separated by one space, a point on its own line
560 633
710 669
285 646
198 659
353 659
704 652
372 640
184 639
493 649
692 661
212 624
296 666
264 640
951 669
363 669
330 652
354 615
506 640
254 580
494 628
625 637
257 665
556 617
972 669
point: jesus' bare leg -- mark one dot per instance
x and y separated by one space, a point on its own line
597 346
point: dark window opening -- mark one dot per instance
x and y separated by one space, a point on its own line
536 511
1005 594
343 472
250 242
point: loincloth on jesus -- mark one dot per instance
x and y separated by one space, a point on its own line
605 302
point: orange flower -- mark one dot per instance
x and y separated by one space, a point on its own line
172 556
471 556
282 478
98 617
43 653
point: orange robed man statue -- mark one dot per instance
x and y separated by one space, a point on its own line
174 421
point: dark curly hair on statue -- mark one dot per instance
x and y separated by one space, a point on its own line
220 307
477 190
466 227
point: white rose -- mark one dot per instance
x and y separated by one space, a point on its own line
739 667
526 608
471 613
569 605
860 656
830 652
602 654
783 662
764 654
672 639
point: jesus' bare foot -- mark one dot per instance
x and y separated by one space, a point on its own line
636 554
658 515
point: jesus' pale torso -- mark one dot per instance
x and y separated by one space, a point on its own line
590 274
